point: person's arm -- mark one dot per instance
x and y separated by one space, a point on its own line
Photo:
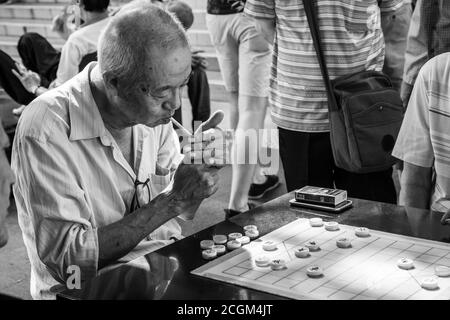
263 13
70 60
415 186
416 54
395 25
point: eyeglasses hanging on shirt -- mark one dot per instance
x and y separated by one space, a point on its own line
139 191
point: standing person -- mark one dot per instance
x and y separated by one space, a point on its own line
44 66
244 60
428 36
352 38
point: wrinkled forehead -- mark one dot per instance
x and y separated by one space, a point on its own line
163 62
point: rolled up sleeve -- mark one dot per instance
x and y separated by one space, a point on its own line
56 206
413 143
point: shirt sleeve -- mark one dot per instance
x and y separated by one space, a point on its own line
416 53
56 207
413 142
71 57
263 9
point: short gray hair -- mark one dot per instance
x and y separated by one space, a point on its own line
126 43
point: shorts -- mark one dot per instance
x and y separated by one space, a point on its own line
244 55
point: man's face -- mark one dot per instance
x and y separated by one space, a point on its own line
154 103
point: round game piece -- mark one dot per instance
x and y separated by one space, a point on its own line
262 261
301 252
362 232
250 227
442 271
405 263
312 246
220 248
269 246
331 226
220 239
234 235
316 222
233 244
244 239
209 254
252 234
429 283
278 264
314 272
343 243
206 244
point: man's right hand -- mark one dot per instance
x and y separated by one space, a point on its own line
197 178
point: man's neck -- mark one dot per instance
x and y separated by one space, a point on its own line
93 17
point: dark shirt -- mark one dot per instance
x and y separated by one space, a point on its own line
222 7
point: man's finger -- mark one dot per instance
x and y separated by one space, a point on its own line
212 122
18 76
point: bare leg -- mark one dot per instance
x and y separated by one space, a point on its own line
234 110
252 111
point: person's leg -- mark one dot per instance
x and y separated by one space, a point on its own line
254 70
39 56
320 161
10 83
246 149
198 92
376 186
226 46
294 157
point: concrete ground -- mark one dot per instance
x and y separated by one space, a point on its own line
14 264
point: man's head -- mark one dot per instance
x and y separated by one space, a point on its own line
145 60
183 12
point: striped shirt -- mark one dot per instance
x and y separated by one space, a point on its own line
352 40
424 138
72 179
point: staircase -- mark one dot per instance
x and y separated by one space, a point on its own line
36 16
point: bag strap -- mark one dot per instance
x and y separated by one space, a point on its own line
311 15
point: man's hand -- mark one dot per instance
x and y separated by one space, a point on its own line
29 79
197 178
237 4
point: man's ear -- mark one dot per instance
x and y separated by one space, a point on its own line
112 84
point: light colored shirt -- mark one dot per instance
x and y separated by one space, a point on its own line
352 40
79 44
424 138
72 179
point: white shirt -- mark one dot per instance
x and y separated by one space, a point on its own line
80 43
73 179
424 138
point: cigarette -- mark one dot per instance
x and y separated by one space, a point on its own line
176 123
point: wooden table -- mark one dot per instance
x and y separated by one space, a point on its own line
165 273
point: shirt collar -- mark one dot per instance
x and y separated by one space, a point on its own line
85 119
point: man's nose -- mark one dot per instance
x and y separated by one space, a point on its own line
174 102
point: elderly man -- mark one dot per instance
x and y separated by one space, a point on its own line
97 161
423 142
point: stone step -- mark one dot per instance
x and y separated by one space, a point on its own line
46 12
9 45
17 27
195 4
